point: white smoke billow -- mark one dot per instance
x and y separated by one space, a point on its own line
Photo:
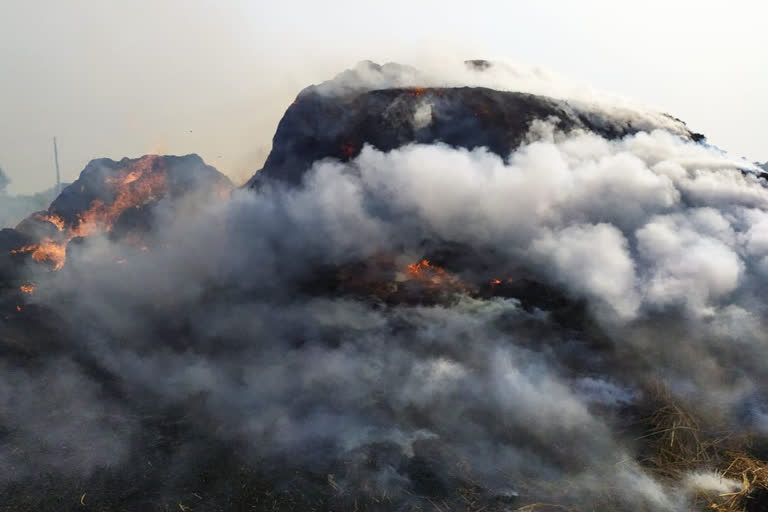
658 244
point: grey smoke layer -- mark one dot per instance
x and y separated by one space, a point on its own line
664 241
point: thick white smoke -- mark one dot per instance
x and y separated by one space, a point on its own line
631 224
663 240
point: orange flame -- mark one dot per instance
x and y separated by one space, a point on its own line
52 218
434 277
52 252
383 277
24 250
133 187
416 91
28 288
424 271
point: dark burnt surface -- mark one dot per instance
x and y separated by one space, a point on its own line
10 262
318 126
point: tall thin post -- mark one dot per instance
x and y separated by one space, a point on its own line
58 175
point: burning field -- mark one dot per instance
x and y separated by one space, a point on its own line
436 295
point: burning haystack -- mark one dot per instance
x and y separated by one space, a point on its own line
440 293
337 118
117 198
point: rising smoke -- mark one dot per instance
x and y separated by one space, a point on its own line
657 242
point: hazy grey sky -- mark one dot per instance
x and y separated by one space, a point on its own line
128 77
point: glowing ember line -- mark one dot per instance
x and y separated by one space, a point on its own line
24 250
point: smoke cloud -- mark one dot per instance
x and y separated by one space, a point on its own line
656 244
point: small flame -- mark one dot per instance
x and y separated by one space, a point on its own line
383 277
349 150
416 91
53 219
18 308
424 271
434 277
49 251
28 288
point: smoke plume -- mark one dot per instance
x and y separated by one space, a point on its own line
586 273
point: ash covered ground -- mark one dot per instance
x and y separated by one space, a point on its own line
436 295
